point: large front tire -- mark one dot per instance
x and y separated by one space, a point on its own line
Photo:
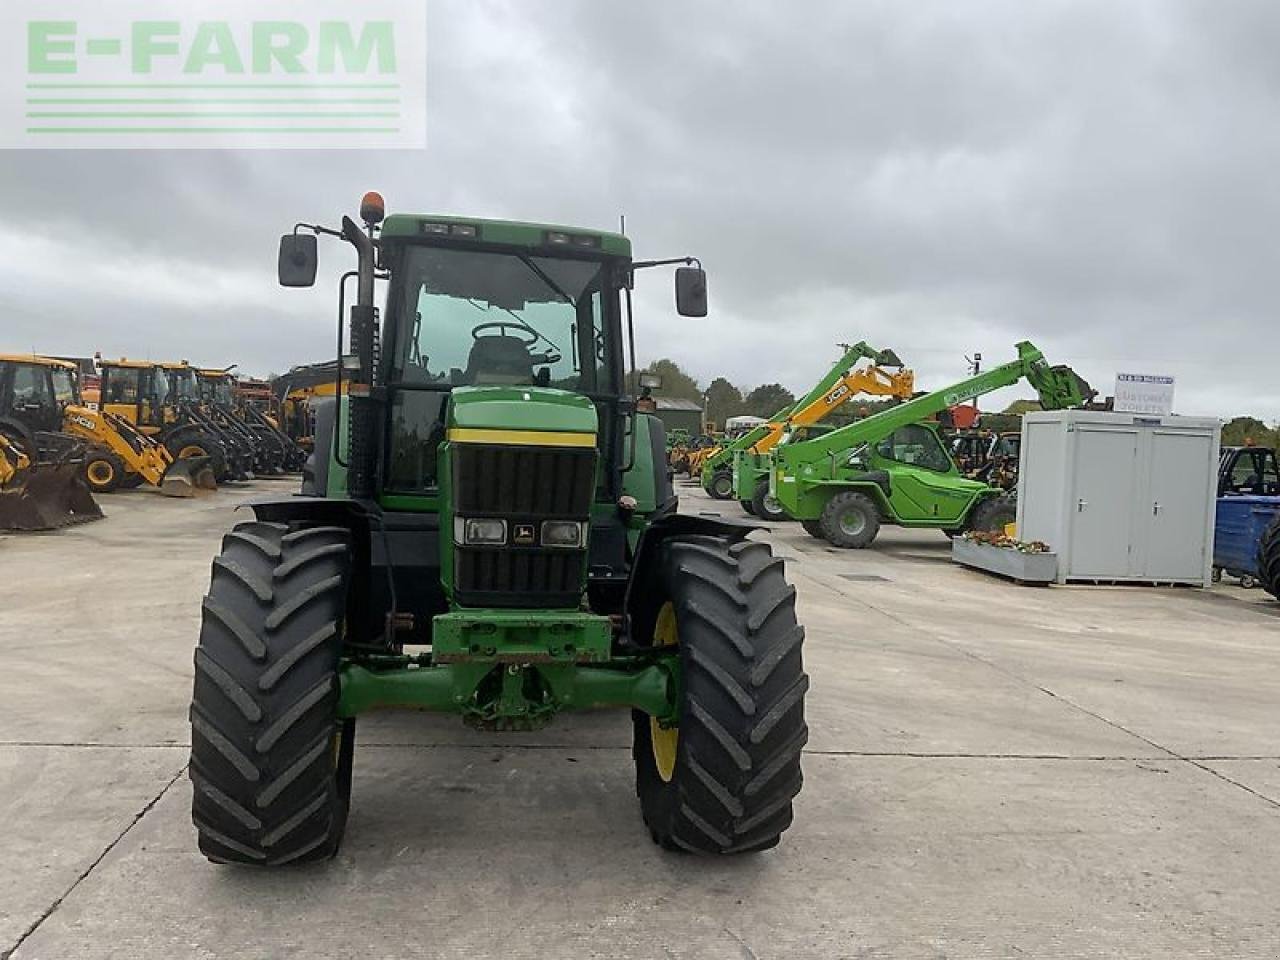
270 758
850 520
187 444
722 780
765 506
721 485
1269 559
103 470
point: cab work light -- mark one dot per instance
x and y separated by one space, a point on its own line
467 231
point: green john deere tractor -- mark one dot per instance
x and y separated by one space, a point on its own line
490 532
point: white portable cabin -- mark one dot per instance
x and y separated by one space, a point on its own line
1120 497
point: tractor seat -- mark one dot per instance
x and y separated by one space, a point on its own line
499 359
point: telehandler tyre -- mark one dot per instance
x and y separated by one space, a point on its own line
813 528
766 507
270 758
722 484
850 520
992 515
1269 559
722 779
103 470
747 507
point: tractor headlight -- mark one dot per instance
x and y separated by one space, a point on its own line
563 533
483 532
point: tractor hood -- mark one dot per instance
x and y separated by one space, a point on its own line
521 408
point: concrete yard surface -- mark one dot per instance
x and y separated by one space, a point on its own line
992 771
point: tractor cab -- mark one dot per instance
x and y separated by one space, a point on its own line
137 391
1248 470
927 485
34 394
215 387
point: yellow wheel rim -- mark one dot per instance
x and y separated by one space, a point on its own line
100 472
191 450
664 739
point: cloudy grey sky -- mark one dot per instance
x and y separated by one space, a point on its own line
939 177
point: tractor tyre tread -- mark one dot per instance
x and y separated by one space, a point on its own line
813 528
833 530
721 486
270 759
1269 559
742 726
760 504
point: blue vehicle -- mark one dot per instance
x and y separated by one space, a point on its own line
1246 541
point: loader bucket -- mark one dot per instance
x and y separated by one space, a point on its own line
46 498
188 477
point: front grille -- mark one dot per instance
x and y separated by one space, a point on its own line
541 482
522 485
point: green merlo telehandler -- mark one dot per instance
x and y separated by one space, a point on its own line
894 468
490 531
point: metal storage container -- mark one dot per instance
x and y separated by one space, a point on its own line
1120 497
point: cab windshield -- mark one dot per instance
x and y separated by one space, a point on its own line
471 318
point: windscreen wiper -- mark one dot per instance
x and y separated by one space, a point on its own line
542 275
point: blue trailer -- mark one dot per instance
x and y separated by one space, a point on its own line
1237 535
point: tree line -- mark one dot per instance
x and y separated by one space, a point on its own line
723 399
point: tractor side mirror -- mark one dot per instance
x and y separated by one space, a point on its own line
298 260
691 292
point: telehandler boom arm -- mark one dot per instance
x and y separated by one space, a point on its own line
1058 388
815 404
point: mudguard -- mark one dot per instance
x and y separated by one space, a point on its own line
643 591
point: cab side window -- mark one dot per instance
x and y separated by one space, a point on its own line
915 445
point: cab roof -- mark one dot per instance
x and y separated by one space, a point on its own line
543 237
31 358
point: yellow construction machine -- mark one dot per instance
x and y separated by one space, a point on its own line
41 396
41 487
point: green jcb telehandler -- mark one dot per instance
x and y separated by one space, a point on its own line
494 535
894 468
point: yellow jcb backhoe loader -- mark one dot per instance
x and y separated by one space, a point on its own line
40 483
41 395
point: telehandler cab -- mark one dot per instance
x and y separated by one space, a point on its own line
894 468
496 537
